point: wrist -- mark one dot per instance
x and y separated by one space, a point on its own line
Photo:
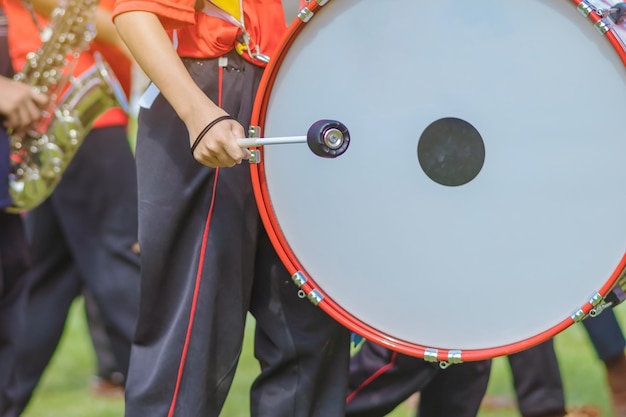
198 107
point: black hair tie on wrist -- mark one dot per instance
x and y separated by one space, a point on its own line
206 129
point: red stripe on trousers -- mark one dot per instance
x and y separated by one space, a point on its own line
375 375
194 303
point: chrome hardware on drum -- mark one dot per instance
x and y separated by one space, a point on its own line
479 209
39 158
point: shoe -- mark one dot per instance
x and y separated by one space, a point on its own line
106 388
498 402
616 380
413 402
586 410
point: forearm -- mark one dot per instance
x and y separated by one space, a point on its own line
146 39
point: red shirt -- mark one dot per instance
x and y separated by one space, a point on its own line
24 38
203 36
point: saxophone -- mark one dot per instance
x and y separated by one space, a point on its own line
40 156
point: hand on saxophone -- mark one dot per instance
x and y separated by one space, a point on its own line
20 104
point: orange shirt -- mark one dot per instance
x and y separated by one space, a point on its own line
24 38
203 36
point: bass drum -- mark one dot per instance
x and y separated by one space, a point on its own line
479 209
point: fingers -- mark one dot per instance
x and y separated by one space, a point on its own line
40 99
21 104
24 115
33 113
219 148
236 152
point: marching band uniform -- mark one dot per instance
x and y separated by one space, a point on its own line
14 257
381 379
608 340
206 258
537 378
83 234
537 381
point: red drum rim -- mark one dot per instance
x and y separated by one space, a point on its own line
290 260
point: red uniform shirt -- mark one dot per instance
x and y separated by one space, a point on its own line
24 38
203 36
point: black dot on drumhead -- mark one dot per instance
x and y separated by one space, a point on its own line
451 151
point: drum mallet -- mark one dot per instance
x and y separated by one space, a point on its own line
326 138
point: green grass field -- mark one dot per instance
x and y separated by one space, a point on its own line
64 391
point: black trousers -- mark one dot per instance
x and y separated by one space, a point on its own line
606 335
106 364
82 236
381 379
537 380
206 262
14 254
14 260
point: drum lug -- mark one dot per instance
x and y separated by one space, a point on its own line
596 300
454 357
598 303
255 155
315 297
578 316
585 8
299 279
430 355
602 26
254 131
305 14
615 297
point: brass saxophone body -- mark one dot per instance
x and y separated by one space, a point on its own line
39 157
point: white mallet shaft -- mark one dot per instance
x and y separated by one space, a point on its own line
248 142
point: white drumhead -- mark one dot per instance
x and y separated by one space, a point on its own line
507 255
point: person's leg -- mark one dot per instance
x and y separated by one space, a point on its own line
456 391
304 353
14 261
606 335
198 228
381 379
52 286
608 340
82 235
96 207
537 381
109 378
